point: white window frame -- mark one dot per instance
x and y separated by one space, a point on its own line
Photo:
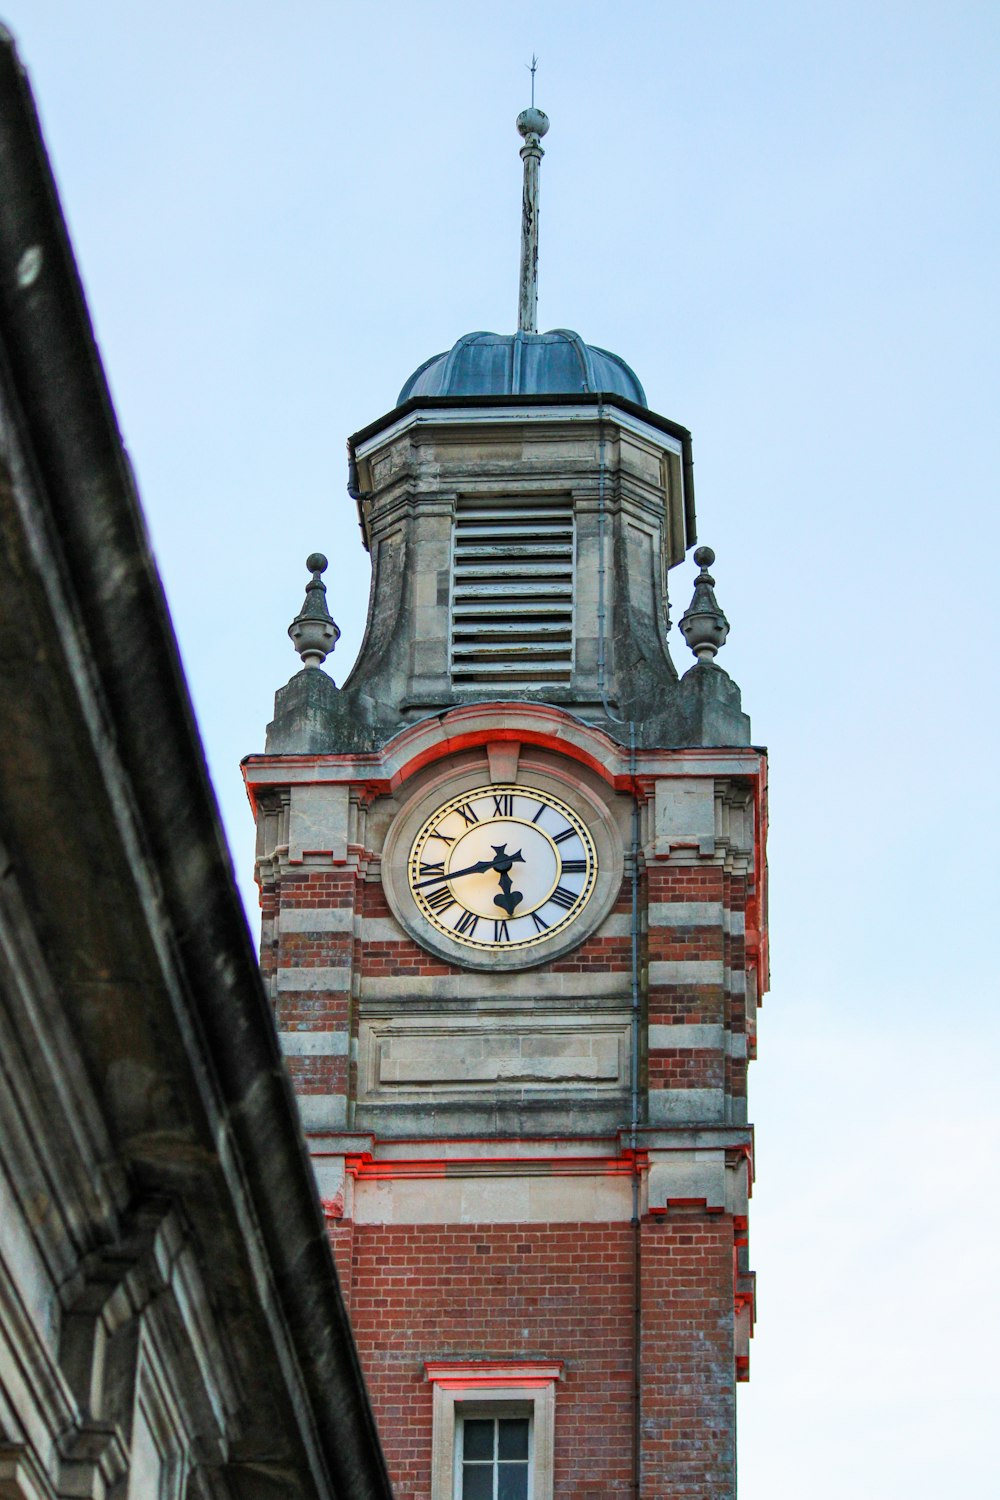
469 1411
493 1387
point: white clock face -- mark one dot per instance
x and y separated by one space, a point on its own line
502 867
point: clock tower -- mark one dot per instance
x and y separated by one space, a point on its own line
514 901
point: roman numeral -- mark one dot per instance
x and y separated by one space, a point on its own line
567 833
503 806
500 932
444 837
426 871
564 898
540 926
441 899
467 922
538 814
574 867
465 812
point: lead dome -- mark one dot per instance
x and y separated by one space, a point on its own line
523 364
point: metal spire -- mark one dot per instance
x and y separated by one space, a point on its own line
532 123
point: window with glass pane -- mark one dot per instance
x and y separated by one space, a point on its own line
495 1458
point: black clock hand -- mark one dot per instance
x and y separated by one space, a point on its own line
477 869
502 861
508 898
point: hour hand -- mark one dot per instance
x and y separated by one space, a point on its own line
508 899
503 860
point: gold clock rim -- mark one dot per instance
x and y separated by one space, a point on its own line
492 788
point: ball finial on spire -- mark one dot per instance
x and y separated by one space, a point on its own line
532 121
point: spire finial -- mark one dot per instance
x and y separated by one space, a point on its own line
532 123
703 624
313 632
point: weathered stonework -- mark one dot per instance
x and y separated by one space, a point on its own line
627 475
515 889
170 1322
487 1194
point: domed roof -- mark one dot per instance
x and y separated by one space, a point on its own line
522 364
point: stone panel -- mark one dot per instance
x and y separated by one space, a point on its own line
406 1055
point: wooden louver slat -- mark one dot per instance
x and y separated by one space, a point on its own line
512 594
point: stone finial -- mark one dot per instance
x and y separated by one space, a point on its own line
703 624
313 632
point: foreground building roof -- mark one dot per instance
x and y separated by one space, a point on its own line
170 1320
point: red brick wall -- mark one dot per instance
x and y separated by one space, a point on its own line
499 1291
688 1388
564 1291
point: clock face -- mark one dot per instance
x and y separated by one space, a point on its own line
502 867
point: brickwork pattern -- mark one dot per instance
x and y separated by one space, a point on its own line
500 1291
403 956
310 1009
565 1291
688 1388
717 1002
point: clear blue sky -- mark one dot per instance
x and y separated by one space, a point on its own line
784 216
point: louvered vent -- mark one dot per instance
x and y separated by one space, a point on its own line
512 594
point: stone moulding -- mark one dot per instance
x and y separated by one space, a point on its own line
471 726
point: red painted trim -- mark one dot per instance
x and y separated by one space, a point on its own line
473 739
477 1383
364 1168
524 734
491 1140
523 723
687 1203
467 1374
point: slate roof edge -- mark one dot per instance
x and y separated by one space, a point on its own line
538 399
67 416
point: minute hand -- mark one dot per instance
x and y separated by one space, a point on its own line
477 869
